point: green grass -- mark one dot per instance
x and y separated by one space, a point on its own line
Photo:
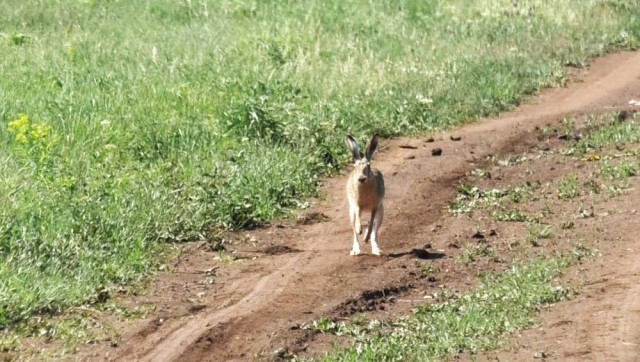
537 232
474 321
151 121
470 198
620 171
569 187
472 253
611 133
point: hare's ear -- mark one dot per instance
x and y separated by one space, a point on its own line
353 146
371 147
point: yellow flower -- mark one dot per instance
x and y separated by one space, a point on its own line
19 128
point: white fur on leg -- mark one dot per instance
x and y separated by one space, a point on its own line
354 216
374 245
374 231
355 251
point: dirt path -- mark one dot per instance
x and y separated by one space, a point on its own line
291 273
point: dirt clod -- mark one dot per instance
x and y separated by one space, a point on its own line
312 217
279 249
436 151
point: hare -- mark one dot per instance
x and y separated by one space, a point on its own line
365 192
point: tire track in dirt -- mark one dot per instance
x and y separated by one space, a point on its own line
274 293
623 341
188 333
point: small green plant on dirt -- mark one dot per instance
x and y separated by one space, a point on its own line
509 161
428 272
593 186
514 215
581 252
617 176
480 173
567 225
567 127
472 197
569 188
585 212
326 326
537 232
356 327
615 189
225 257
621 171
472 253
611 133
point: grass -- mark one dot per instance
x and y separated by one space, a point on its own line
604 142
471 253
471 197
125 124
474 321
611 133
537 232
569 187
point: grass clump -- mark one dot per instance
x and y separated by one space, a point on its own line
620 171
537 232
612 133
124 124
569 188
474 321
472 253
471 197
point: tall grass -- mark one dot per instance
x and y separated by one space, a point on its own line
125 123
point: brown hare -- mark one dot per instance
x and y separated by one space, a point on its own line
365 192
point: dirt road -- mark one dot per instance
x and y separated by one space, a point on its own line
250 302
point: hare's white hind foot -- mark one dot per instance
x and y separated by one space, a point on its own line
375 250
355 250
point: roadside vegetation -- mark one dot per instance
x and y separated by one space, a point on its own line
126 124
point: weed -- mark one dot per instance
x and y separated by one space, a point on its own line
510 215
538 231
581 252
569 188
593 186
471 253
471 197
612 133
621 171
480 173
567 225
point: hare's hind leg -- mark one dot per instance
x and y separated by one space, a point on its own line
367 235
375 225
355 223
